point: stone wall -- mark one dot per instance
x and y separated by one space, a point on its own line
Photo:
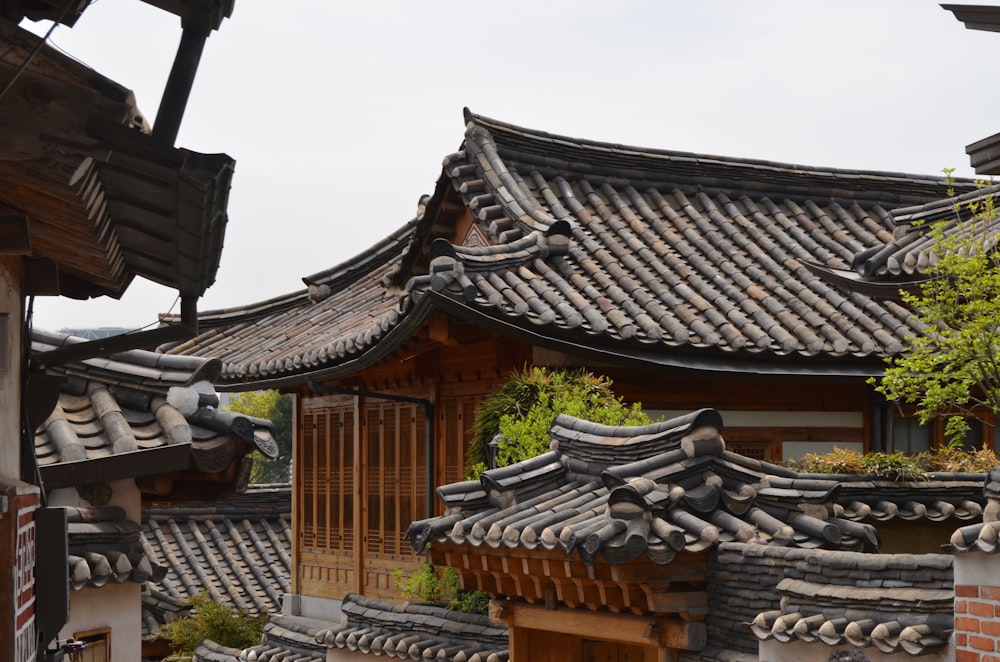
744 582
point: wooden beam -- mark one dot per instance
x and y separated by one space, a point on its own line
671 633
691 569
693 604
358 514
41 277
137 464
298 481
15 237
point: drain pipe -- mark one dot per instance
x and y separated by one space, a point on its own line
428 408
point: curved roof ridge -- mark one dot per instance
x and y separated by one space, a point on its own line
318 285
520 205
941 208
689 421
906 262
449 263
547 140
380 252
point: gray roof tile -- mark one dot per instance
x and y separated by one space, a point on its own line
104 547
375 627
236 549
141 401
618 492
629 250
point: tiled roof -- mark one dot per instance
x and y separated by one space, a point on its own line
102 200
982 536
286 639
343 312
907 259
893 602
618 493
112 411
417 632
238 550
375 627
104 546
664 257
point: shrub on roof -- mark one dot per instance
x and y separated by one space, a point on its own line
222 623
898 465
523 408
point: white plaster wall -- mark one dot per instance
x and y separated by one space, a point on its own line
773 651
117 607
735 418
10 366
977 569
307 606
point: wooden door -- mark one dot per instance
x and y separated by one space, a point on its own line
395 492
325 496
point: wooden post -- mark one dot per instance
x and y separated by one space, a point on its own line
360 497
297 478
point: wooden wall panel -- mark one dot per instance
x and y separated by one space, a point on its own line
676 390
329 576
325 490
395 434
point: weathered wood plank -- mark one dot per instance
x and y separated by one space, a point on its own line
672 633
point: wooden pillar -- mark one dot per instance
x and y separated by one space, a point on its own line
297 478
360 497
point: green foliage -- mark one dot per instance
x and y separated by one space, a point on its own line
523 408
277 408
223 624
898 465
952 367
440 584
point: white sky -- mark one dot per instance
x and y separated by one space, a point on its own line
339 113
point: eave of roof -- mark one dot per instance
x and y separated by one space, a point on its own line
140 414
907 261
101 470
101 201
581 260
584 496
892 602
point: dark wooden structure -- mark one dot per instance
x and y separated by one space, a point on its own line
91 196
683 277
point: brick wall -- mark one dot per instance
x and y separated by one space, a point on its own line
977 607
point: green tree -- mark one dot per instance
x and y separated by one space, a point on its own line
523 408
952 367
223 624
277 408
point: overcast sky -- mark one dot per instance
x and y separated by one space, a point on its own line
339 113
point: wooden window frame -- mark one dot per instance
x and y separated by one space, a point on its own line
986 420
103 633
770 439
